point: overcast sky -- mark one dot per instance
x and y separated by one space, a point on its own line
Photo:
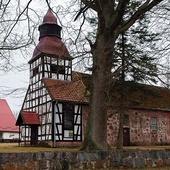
20 79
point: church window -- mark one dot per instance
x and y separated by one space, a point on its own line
154 124
68 116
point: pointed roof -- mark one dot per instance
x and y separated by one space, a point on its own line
49 18
27 118
50 42
7 119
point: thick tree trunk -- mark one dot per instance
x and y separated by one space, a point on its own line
96 132
110 17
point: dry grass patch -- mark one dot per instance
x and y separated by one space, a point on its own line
14 147
153 147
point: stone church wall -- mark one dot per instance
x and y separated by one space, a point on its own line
139 125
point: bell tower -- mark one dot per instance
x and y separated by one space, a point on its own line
52 105
51 58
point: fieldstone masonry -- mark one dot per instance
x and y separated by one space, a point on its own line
85 160
139 125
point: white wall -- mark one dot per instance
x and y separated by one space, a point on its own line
10 135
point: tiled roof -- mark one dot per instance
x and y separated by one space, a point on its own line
28 118
85 78
135 94
141 96
7 119
74 91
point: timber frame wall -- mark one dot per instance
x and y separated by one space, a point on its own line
60 121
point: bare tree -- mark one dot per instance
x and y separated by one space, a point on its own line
110 14
18 24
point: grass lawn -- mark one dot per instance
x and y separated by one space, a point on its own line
13 147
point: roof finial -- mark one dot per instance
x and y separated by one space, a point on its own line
49 17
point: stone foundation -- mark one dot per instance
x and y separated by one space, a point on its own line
83 160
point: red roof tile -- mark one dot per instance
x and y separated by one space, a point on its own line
28 118
7 119
67 91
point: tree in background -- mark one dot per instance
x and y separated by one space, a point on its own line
133 51
133 55
110 15
13 34
18 23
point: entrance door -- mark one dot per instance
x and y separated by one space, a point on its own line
34 135
126 136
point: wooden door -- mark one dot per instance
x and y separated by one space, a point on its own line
126 136
34 135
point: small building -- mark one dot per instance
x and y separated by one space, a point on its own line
9 132
55 108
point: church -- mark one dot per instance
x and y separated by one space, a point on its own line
52 108
55 108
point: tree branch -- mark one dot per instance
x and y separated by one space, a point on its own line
117 16
17 20
141 10
89 4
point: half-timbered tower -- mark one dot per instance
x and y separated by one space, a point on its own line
52 108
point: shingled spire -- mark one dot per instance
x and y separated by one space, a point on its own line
50 39
49 26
